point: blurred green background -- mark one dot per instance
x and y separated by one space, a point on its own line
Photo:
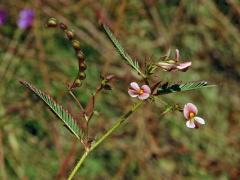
35 145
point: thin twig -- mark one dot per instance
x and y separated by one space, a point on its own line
75 98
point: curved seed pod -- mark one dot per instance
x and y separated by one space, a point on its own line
76 44
81 75
52 22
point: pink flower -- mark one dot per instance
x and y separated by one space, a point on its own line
142 93
174 65
190 111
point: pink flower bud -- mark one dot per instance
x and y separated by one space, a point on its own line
174 65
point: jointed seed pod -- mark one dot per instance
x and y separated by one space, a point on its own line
63 26
76 44
70 34
81 75
80 56
52 22
82 66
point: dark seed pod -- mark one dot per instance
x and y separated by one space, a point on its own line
63 26
52 22
80 56
81 75
76 45
70 34
107 87
82 66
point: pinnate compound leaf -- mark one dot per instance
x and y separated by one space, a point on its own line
183 87
133 63
57 109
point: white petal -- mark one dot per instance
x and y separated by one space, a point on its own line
132 93
146 89
167 66
135 86
190 124
189 107
143 96
199 120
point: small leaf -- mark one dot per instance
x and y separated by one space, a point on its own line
165 85
133 63
165 89
57 109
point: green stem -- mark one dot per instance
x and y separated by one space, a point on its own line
106 134
167 110
80 162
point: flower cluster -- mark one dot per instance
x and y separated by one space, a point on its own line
3 16
26 18
190 110
174 65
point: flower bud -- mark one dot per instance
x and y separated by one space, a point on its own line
76 45
81 75
52 22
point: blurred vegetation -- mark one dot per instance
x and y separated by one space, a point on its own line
35 145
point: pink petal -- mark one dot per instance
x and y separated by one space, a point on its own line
184 66
167 66
199 120
189 107
143 96
177 55
132 93
146 89
190 124
135 86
